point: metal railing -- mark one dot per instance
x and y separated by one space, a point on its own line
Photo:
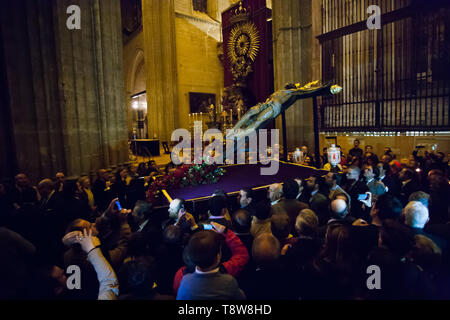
396 78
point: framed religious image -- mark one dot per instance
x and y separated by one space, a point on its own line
200 102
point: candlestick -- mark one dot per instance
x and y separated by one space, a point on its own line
231 116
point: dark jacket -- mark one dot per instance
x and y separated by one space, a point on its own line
291 207
353 190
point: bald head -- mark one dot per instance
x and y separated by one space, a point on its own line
174 207
416 214
266 250
339 208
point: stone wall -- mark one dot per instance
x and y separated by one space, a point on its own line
198 66
181 56
296 23
65 87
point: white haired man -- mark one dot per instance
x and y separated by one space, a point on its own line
416 217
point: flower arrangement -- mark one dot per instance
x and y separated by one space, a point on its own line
184 176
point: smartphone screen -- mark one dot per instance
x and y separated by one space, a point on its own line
362 196
207 226
118 205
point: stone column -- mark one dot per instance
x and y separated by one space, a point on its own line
160 58
296 23
66 86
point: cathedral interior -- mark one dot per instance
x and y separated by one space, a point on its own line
98 93
77 91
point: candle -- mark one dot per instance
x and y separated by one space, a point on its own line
239 114
231 116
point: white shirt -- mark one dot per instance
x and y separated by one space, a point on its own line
207 272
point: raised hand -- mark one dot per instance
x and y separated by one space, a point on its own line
87 241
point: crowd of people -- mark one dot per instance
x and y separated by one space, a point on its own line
305 238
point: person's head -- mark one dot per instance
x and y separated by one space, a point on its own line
60 177
370 159
406 174
396 237
306 223
80 225
420 196
338 243
356 143
172 235
387 150
331 179
416 214
383 168
45 187
138 276
304 149
142 168
266 250
339 195
290 189
102 174
353 173
275 191
70 188
368 148
395 166
204 250
49 281
280 226
412 162
241 221
434 172
217 206
262 210
245 197
386 207
312 183
371 172
84 182
386 158
133 169
141 211
22 180
439 184
339 209
121 174
174 208
308 161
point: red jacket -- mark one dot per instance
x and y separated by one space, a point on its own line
233 267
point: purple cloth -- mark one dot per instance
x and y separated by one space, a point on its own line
237 177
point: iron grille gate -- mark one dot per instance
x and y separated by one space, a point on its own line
394 79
